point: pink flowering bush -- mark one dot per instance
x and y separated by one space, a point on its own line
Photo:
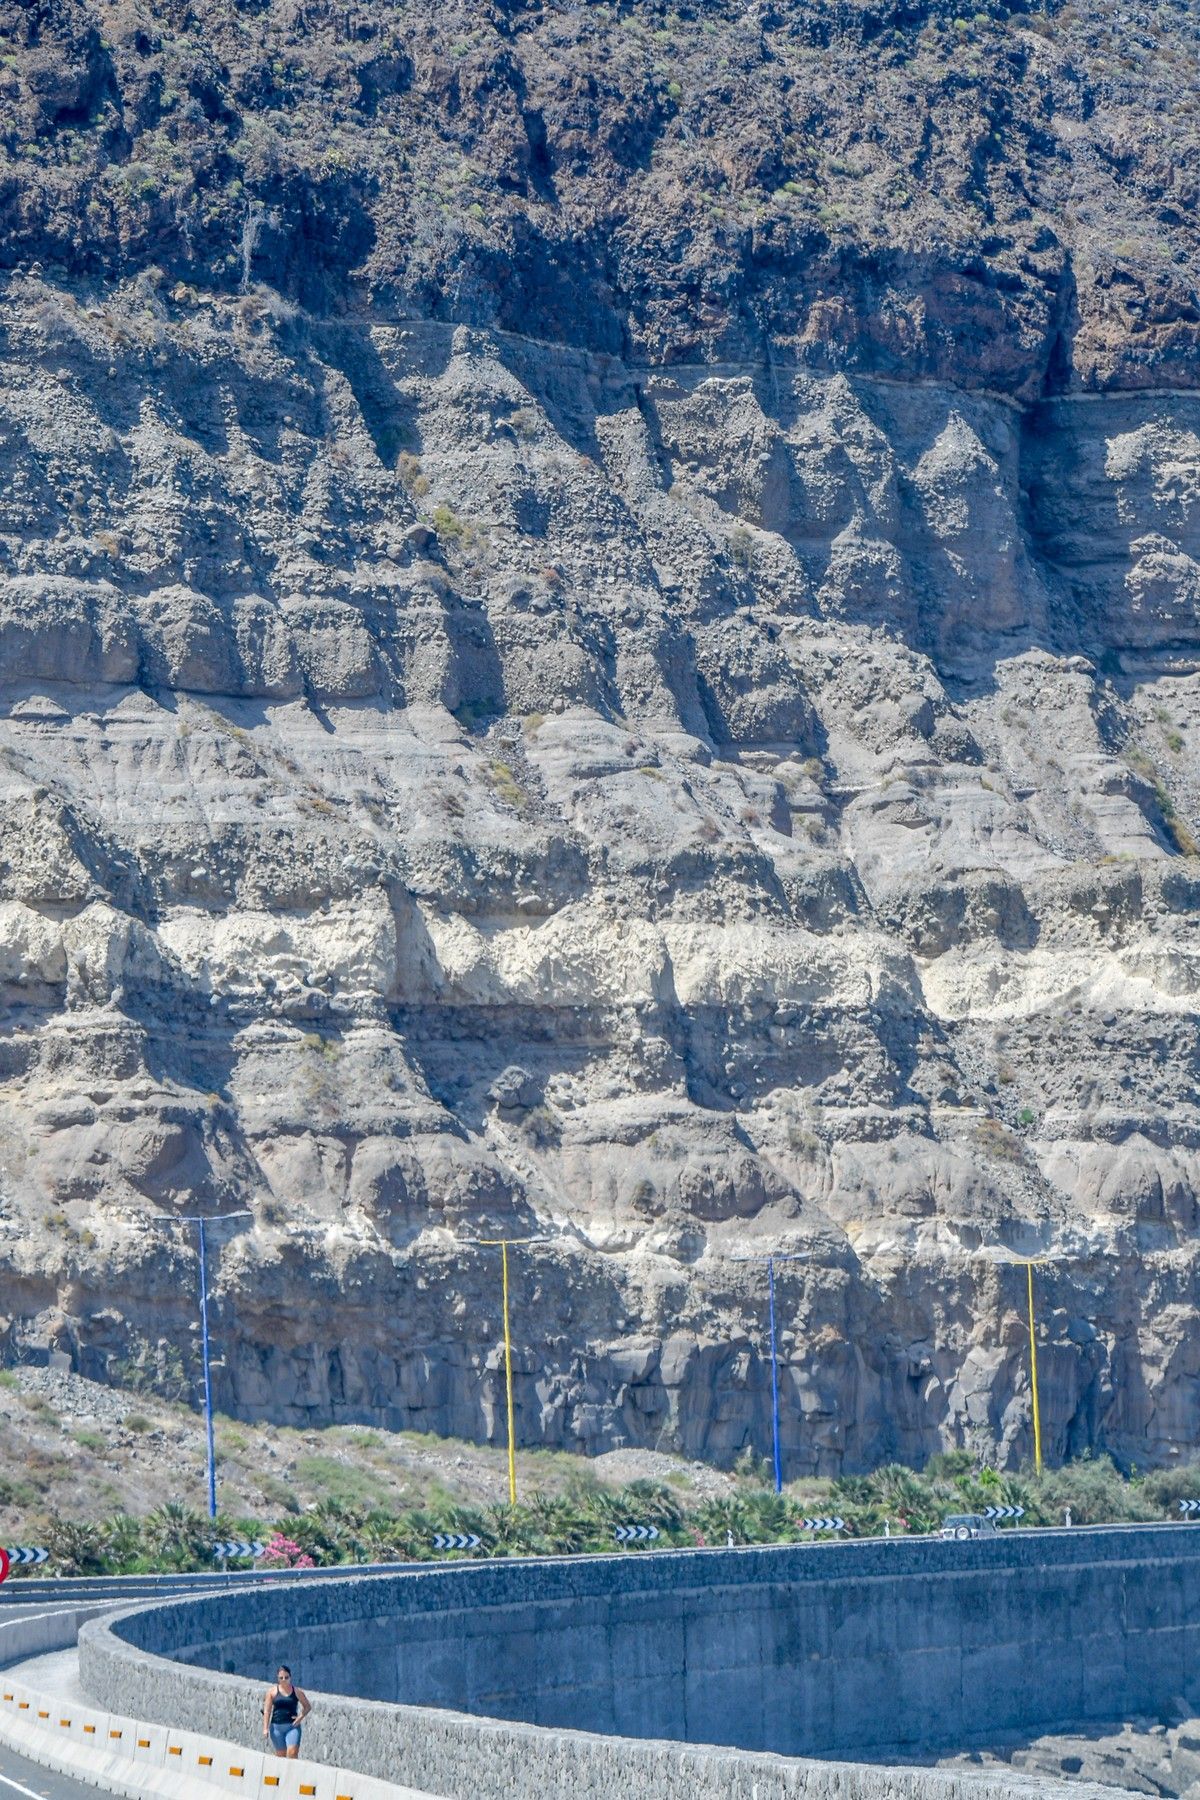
283 1553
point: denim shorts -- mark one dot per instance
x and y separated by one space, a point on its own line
285 1737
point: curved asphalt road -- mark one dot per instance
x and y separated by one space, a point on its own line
19 1777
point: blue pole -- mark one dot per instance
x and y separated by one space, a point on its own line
208 1412
774 1379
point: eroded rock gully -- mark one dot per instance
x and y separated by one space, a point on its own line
675 796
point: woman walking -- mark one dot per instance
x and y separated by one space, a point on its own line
284 1711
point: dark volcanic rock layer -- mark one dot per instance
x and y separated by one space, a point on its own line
599 620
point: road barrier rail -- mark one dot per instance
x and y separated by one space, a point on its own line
59 1590
135 1757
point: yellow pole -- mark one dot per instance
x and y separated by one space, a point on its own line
502 1244
512 1445
1037 1415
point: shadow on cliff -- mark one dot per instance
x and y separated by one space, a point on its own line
390 416
1078 530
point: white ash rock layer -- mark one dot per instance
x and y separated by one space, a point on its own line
456 786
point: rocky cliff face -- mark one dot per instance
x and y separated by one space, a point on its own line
599 640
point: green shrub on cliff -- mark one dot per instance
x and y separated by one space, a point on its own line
584 1519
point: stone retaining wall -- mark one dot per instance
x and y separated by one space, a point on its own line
872 1649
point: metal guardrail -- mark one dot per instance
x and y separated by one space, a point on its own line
54 1590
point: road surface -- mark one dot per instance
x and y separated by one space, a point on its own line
19 1777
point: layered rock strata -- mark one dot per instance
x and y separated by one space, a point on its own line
677 767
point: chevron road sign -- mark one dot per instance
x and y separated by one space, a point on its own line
635 1534
1004 1512
225 1551
20 1555
456 1540
822 1524
1189 1508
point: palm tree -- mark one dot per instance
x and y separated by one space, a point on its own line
123 1540
382 1538
76 1547
177 1537
560 1527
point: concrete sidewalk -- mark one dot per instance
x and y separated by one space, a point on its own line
55 1673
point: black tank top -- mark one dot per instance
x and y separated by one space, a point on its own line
284 1707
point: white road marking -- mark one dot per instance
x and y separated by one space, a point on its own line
18 1789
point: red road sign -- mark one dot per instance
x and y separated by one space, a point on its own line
4 1565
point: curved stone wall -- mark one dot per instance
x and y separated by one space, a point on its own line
872 1649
